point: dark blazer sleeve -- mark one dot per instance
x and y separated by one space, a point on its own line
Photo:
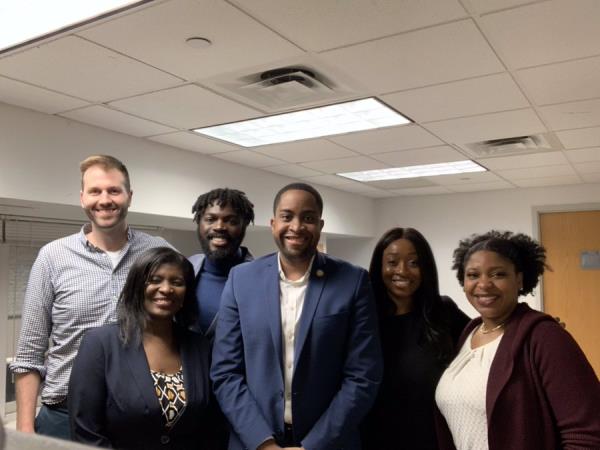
362 373
228 374
570 384
87 407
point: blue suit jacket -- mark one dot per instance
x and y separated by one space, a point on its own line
337 367
112 402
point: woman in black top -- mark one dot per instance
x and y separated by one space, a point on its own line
419 329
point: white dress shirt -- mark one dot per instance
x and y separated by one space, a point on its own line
291 298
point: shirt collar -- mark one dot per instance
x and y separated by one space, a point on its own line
85 229
302 280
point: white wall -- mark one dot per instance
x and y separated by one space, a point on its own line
445 219
40 154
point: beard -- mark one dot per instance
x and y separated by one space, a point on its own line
220 253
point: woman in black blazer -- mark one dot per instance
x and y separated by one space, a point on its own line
143 383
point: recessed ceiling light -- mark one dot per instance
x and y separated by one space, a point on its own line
427 170
358 115
198 42
24 21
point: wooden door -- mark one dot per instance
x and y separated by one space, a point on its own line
570 292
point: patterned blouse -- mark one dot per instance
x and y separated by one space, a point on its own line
171 395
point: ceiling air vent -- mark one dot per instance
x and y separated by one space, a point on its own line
509 146
285 87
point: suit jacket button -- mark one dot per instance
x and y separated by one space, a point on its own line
164 439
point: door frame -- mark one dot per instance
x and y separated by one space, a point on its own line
537 211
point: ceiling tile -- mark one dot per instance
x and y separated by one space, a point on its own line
521 161
317 25
584 137
545 32
364 189
185 107
591 177
422 191
194 142
328 180
536 172
548 181
80 68
249 158
403 183
583 154
477 187
161 32
293 170
486 6
387 139
456 50
304 151
353 164
32 97
562 82
431 155
572 115
460 98
464 178
489 126
588 167
101 116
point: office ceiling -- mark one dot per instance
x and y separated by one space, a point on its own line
465 71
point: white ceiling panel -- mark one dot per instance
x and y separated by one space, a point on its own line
328 180
584 154
591 177
249 158
194 142
352 164
456 50
293 170
582 138
460 98
478 187
536 172
521 161
490 126
387 139
572 115
161 32
545 32
403 183
548 181
420 156
185 107
464 178
101 116
80 68
32 97
318 25
304 151
486 6
365 189
432 190
562 82
588 167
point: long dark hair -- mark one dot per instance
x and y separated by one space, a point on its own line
426 299
131 314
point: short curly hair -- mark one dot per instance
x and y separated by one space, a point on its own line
225 197
527 255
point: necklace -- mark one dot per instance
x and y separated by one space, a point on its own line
484 330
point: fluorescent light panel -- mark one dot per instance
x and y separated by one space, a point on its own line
24 20
358 115
426 170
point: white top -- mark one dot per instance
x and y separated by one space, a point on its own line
461 394
291 298
115 257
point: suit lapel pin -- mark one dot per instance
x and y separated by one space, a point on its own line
319 273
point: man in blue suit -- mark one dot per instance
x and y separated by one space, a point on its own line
296 359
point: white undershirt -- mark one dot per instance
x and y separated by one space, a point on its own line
461 394
115 257
291 298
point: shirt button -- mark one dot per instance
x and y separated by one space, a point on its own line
164 439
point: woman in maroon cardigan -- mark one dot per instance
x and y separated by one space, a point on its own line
520 381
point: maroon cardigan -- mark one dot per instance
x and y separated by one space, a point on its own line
542 393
